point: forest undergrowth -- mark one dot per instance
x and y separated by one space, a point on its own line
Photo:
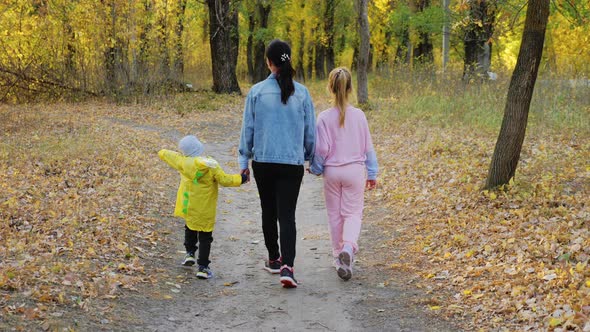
515 258
81 196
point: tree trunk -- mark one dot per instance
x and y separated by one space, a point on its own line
403 51
111 53
143 56
477 39
383 57
520 92
164 55
355 57
310 48
250 46
370 61
224 41
260 68
319 63
363 55
446 41
422 53
423 50
69 53
179 55
299 72
330 33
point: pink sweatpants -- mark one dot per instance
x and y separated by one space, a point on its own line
344 188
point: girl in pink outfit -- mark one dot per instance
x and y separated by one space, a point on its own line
344 154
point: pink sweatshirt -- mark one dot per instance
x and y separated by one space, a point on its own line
337 146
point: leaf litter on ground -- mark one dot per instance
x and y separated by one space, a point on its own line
82 195
515 258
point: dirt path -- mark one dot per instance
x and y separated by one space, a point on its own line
244 297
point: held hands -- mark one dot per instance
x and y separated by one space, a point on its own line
247 173
371 184
310 172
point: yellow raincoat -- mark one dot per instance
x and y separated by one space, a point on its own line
196 200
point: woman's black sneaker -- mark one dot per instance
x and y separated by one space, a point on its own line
273 267
287 277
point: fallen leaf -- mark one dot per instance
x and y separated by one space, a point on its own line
553 322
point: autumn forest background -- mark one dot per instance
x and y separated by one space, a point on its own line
53 48
432 76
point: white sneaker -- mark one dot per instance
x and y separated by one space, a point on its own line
346 258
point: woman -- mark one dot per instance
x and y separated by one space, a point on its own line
278 134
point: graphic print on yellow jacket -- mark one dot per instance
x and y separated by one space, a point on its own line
200 177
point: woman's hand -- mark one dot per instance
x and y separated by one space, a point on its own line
247 173
371 184
310 172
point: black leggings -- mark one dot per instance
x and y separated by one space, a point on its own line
278 187
204 239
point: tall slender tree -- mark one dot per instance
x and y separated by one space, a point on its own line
224 42
179 45
399 22
330 32
423 49
250 44
263 8
299 71
310 47
477 38
520 92
112 49
163 52
446 41
319 60
142 60
363 55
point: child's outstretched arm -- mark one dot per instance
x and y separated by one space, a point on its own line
172 158
228 180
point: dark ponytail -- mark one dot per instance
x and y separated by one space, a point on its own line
279 53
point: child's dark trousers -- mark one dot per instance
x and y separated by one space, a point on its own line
203 239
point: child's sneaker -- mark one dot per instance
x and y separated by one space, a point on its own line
345 269
273 267
288 277
189 259
204 272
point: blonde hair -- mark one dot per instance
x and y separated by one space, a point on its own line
340 85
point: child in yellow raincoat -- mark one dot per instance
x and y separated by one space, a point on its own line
196 200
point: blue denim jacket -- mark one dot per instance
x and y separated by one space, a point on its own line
274 132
